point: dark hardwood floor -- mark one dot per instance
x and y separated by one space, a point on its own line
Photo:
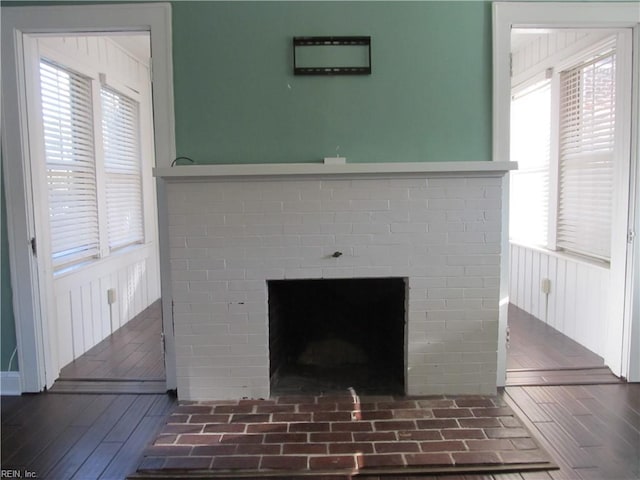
591 431
536 345
133 352
131 360
540 355
79 436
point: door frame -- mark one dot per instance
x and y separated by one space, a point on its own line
559 15
27 293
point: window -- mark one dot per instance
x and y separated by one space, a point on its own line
575 214
122 168
79 204
587 121
530 147
69 153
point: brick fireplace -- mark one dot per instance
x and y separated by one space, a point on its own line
238 232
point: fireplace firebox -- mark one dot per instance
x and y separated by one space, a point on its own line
332 334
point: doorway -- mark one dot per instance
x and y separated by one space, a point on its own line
553 276
568 137
91 142
121 294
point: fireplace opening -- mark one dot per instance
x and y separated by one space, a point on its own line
332 334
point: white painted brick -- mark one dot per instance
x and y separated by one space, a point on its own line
408 227
369 205
484 203
302 273
361 217
468 215
318 240
282 194
441 233
423 193
482 226
246 285
408 182
431 217
371 272
263 229
337 228
302 229
205 264
316 218
225 274
334 205
302 206
353 239
465 237
369 228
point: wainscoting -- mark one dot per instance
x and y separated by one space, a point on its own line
577 304
84 316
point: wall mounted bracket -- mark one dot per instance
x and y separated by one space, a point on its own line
345 55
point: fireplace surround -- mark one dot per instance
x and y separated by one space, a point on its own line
238 232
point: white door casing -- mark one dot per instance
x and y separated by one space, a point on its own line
33 353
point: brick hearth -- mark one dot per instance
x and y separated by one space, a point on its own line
344 433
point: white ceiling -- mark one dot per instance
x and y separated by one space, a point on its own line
138 44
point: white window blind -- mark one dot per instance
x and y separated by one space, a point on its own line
69 153
120 133
587 121
530 147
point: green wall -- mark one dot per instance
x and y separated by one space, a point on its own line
7 324
237 100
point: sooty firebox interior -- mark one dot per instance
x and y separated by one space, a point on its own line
329 335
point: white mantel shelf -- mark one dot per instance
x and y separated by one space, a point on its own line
258 170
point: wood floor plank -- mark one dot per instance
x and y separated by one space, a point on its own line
57 449
522 397
566 446
562 417
129 456
625 430
121 431
45 415
92 439
98 461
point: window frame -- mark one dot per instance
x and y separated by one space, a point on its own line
99 79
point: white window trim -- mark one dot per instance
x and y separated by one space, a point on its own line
16 21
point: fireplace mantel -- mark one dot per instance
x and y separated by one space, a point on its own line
193 172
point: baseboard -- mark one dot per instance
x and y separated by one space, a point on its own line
10 383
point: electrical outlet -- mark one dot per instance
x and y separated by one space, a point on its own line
545 286
111 296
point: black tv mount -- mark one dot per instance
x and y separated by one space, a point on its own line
348 41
